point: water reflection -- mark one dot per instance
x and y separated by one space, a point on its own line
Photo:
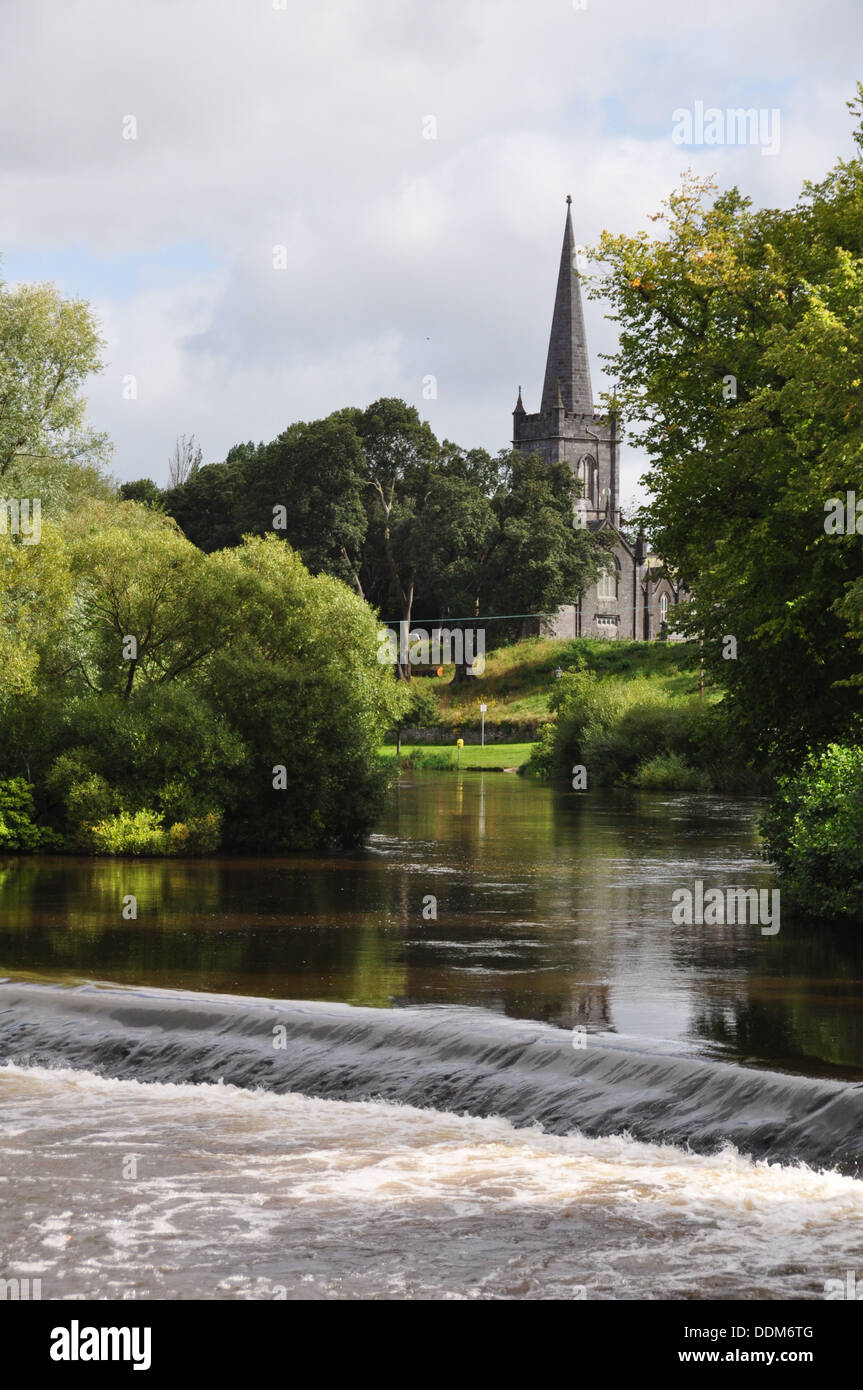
550 905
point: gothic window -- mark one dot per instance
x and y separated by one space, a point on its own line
587 477
607 584
663 609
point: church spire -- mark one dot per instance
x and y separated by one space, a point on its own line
567 362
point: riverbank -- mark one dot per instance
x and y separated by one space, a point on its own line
497 757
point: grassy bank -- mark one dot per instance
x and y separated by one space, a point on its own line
629 713
519 681
498 757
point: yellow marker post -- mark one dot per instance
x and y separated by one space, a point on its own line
459 743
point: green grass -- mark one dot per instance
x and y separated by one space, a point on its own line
493 758
518 680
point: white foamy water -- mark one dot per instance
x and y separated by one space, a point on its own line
243 1194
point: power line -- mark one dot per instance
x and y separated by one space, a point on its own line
481 618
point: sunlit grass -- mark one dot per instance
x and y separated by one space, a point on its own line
496 756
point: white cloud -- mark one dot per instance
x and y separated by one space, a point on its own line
406 256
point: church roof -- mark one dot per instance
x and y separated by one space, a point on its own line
567 370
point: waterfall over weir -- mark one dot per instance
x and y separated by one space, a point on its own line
447 1059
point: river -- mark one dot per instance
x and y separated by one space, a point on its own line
519 1078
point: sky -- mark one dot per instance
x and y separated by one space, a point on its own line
281 207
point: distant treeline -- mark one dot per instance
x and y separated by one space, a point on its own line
414 525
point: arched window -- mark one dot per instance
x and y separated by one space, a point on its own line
663 609
587 477
607 583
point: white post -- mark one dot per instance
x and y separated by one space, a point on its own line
482 710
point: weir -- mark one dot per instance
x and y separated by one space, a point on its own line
450 1059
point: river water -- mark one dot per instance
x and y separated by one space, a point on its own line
521 1079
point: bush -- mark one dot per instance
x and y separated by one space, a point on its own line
130 832
18 830
301 685
634 731
813 829
542 758
200 835
668 772
84 795
143 833
421 707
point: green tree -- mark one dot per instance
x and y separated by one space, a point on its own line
147 606
206 507
300 682
48 347
141 490
539 559
308 486
739 371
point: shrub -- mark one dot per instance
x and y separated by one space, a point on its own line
18 830
143 833
542 757
813 829
200 835
84 795
668 772
422 706
635 731
130 832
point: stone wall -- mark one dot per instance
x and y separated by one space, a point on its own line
444 736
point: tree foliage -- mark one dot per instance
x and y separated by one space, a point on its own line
48 347
739 370
421 529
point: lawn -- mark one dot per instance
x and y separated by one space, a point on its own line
493 758
518 679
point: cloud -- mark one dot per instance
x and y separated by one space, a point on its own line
303 128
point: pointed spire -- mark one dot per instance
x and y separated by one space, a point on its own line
567 362
519 405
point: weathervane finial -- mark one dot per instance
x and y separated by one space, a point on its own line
568 200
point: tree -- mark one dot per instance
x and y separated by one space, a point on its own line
36 594
300 683
308 486
147 608
184 460
539 559
141 490
208 507
739 371
400 451
48 347
372 498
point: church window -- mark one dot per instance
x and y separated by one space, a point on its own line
663 609
587 477
607 584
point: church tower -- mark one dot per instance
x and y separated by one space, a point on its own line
566 427
633 597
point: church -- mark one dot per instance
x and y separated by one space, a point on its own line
632 599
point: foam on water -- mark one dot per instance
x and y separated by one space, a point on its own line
247 1194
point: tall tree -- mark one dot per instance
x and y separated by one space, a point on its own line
184 460
739 371
48 347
